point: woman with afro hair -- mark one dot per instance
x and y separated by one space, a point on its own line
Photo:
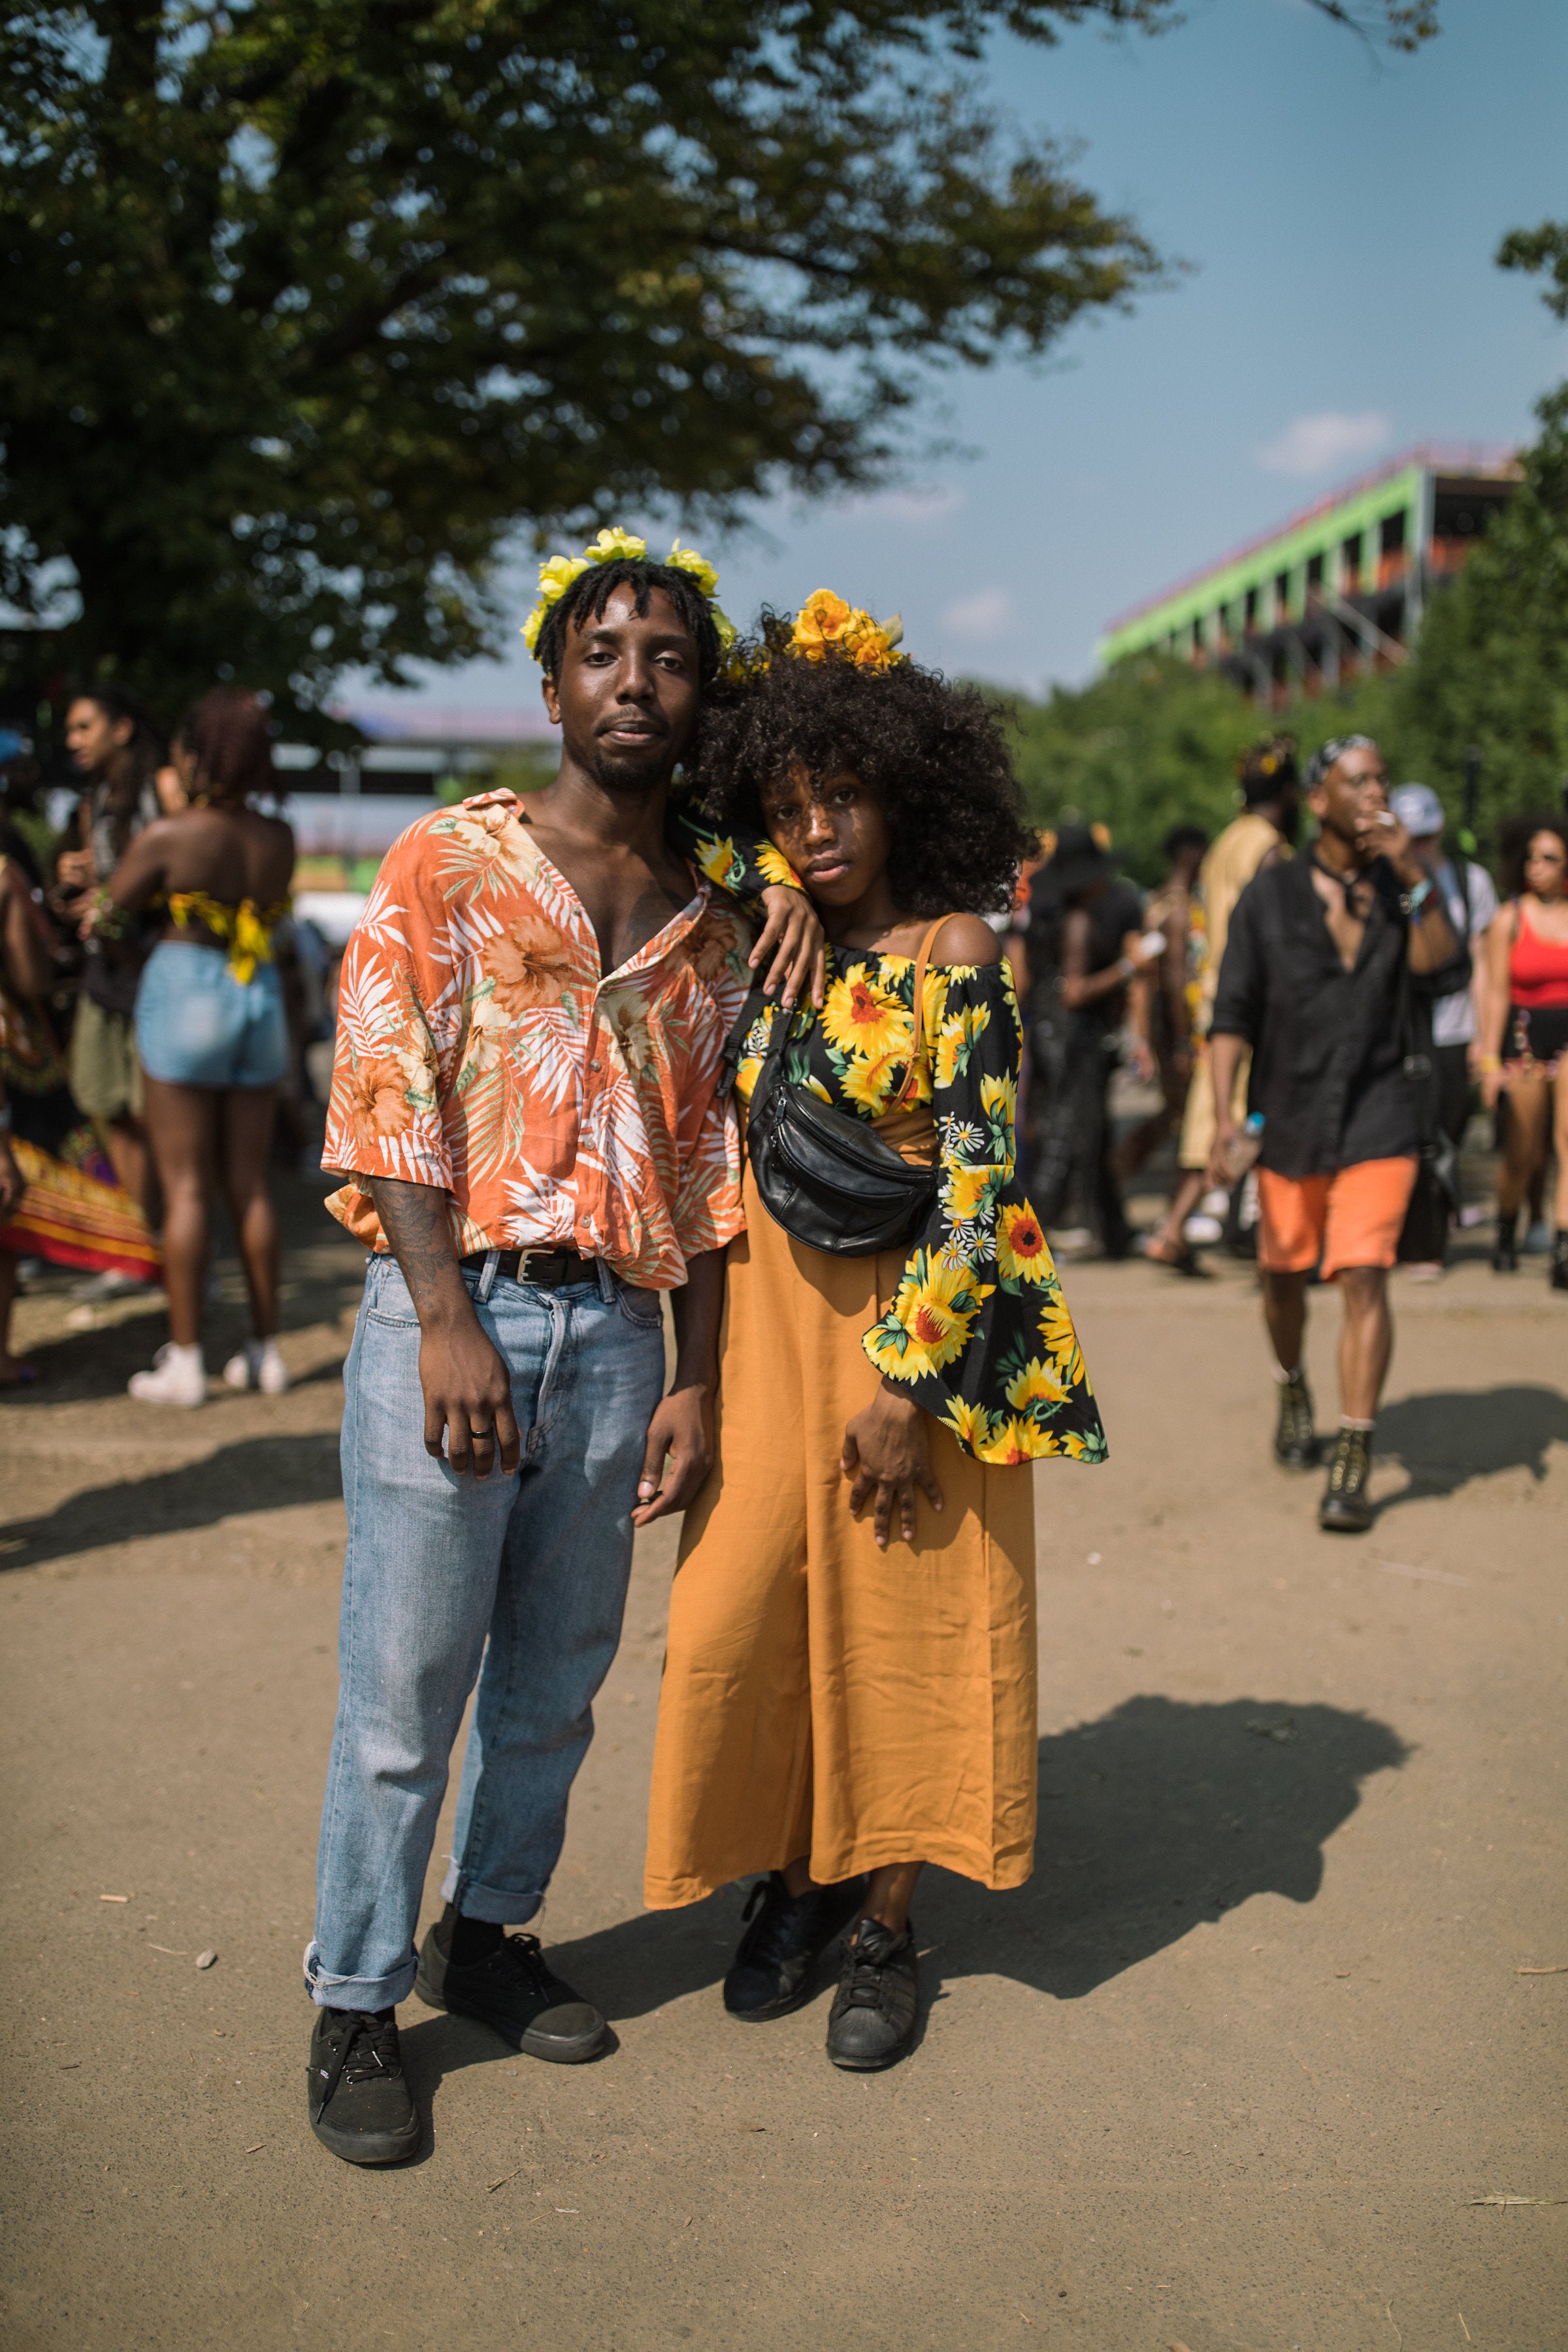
850 1683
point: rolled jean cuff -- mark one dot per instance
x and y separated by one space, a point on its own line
502 1907
357 1992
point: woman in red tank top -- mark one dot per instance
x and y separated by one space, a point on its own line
1525 1047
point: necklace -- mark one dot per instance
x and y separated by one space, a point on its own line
1347 884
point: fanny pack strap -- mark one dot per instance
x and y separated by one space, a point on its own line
912 1076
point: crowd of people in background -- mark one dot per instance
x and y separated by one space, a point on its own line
1321 1027
142 1032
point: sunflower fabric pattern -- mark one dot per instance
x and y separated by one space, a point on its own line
481 1049
979 1331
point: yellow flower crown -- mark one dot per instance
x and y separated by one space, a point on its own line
826 624
557 573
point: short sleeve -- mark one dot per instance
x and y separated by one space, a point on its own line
384 1118
979 1331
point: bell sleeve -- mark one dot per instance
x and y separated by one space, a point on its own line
742 865
978 1331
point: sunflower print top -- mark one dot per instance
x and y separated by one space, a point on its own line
978 1330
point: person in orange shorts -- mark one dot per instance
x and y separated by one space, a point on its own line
1318 964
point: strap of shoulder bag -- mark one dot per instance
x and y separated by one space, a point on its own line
912 1076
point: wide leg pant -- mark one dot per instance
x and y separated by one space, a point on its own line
820 1697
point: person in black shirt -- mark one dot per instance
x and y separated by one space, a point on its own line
1314 979
1083 948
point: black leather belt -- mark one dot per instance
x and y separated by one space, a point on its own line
550 1269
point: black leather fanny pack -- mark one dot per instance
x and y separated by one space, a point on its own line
823 1175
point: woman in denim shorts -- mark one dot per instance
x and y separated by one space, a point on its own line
210 1028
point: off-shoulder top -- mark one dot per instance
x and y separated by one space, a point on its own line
978 1330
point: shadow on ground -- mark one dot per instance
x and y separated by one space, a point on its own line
1445 1439
1161 1814
257 1473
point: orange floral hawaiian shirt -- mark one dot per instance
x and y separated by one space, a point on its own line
480 1048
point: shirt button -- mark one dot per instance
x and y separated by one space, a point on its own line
595 1066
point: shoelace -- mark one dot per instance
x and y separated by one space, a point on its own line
521 1955
864 1989
368 2049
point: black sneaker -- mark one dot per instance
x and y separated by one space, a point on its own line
1558 1277
1295 1439
1345 1509
360 2105
872 2021
1505 1250
515 1993
775 1965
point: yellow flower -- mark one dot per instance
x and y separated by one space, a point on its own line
862 1018
555 576
1036 1384
1022 1253
936 1306
1056 1326
1000 1094
969 1424
685 559
774 866
611 545
957 1037
820 623
868 1084
747 1073
717 860
826 624
1016 1441
965 1188
815 1086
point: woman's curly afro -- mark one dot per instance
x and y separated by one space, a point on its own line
933 752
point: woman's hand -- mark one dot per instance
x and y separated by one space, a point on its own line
794 938
885 1456
74 870
1490 1081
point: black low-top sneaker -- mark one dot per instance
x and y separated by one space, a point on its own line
516 1994
775 1967
360 2105
872 2021
1345 1509
1295 1439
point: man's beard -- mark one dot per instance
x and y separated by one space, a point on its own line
634 774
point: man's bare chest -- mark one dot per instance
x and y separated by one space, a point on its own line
626 902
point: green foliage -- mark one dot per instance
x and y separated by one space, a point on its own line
310 306
1154 744
1491 667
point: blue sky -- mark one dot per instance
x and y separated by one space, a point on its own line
1341 213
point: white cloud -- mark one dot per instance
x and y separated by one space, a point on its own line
988 614
1316 444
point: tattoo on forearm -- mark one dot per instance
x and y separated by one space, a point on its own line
417 1223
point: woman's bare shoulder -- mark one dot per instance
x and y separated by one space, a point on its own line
966 938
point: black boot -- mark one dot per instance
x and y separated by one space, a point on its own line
775 1966
872 2021
1558 1277
1295 1439
1345 1509
1505 1254
360 2102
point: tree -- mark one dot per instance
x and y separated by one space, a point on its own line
1491 669
1155 742
310 305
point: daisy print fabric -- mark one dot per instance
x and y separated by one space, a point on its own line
978 1330
481 1050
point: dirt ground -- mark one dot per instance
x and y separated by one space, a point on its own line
1264 2056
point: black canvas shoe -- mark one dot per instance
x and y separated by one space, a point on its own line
1344 1509
872 2021
775 1966
515 1993
1558 1277
1295 1438
1505 1250
360 2105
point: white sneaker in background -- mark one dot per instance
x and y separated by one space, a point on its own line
1203 1230
178 1377
1472 1215
108 1285
258 1365
1424 1269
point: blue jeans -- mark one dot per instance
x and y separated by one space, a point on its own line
526 1573
196 1025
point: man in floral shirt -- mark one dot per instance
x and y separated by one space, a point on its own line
526 1105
